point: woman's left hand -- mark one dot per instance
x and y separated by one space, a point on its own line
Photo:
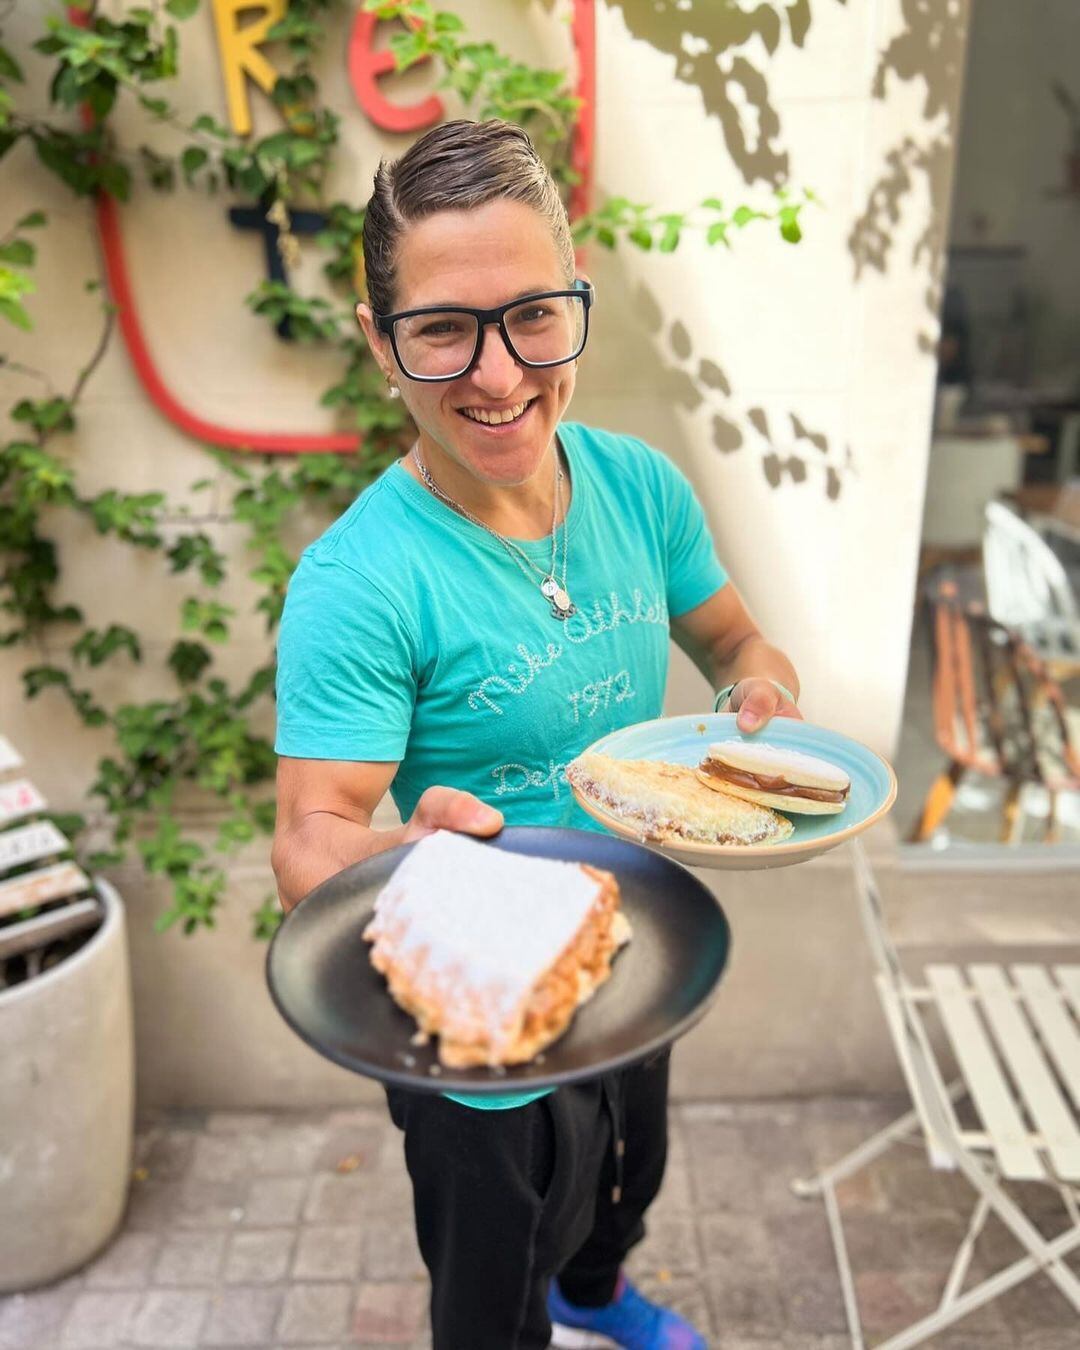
756 701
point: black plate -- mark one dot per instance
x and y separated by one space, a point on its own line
324 984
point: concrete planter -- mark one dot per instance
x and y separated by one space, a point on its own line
66 1108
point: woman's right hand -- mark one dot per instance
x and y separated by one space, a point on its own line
443 808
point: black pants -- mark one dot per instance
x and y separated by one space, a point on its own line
504 1200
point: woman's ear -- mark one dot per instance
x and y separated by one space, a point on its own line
380 346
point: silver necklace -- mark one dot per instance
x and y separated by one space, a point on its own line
553 591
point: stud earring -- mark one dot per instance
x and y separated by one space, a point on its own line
391 388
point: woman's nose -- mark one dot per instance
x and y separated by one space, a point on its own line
496 371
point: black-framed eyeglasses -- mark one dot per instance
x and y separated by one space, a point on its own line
441 342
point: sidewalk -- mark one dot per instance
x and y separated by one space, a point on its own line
295 1230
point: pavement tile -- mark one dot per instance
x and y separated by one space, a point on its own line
99 1319
275 1200
1036 1304
390 1313
243 1316
390 1251
813 1303
242 1122
126 1263
800 1243
744 1301
358 1146
670 1244
729 1241
34 1319
170 1317
190 1257
169 1155
259 1256
315 1314
211 1204
328 1252
153 1205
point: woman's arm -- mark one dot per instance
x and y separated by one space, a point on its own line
726 645
324 811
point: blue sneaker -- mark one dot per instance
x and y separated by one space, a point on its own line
628 1322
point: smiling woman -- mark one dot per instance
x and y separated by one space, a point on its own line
430 647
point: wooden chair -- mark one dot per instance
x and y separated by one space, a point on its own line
997 713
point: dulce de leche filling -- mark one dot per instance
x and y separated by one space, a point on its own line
761 782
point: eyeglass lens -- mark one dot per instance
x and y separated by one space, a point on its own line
541 332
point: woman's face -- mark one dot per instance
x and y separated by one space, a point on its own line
479 259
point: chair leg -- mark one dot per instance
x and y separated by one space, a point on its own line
1051 835
1012 818
937 804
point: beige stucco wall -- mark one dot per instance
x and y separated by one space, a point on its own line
765 358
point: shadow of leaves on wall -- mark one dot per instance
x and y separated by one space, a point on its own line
705 38
931 49
698 384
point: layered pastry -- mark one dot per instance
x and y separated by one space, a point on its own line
667 802
773 776
490 951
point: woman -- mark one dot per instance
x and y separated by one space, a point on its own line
496 601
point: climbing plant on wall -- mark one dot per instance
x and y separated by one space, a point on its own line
205 736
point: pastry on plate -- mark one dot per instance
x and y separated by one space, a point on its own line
667 802
773 776
492 951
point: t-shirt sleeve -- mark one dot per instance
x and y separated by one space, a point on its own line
694 572
346 673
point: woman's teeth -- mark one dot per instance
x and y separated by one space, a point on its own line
496 417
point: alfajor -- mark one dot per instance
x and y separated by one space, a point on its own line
785 780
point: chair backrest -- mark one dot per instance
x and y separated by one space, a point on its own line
996 709
1025 581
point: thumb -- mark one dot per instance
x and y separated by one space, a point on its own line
442 808
757 706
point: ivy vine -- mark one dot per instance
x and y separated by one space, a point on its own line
205 737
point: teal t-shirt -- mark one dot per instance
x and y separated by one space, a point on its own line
409 634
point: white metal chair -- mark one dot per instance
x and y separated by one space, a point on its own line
1028 589
1015 1037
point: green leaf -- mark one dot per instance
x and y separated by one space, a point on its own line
32 221
642 237
9 67
790 230
182 9
717 234
193 158
670 240
713 203
15 313
20 252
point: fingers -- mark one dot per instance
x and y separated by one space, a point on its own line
758 702
443 808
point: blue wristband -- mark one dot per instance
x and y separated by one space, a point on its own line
724 695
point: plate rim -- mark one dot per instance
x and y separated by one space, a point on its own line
505 1084
820 843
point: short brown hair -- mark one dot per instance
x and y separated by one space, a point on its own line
455 167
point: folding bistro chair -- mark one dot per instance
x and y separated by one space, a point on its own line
1015 1037
998 713
1028 589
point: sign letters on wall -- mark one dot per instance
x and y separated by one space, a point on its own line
244 63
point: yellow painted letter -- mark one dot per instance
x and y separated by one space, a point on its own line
240 55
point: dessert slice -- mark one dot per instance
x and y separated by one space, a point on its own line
667 802
493 952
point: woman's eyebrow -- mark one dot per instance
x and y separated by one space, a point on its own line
458 304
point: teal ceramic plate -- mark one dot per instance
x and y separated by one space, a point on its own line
682 740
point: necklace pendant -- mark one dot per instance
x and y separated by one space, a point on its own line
562 607
549 588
